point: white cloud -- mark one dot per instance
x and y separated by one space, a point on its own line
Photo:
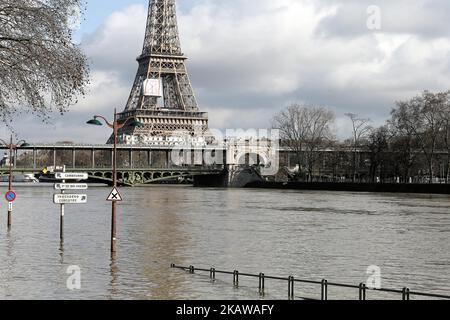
282 54
115 45
106 92
249 58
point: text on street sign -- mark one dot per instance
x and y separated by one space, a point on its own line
71 176
70 198
71 186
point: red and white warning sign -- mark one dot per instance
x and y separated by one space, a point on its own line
114 195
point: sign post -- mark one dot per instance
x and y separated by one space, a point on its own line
62 198
62 213
10 196
116 125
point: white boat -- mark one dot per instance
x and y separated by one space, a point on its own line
23 178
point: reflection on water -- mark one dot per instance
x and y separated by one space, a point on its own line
311 235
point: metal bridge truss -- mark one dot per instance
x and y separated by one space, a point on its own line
136 166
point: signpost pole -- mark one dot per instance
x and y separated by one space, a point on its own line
63 198
113 197
114 203
10 181
61 222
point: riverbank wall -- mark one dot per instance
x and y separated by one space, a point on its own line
354 187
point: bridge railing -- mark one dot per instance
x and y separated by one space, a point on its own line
92 158
216 168
362 288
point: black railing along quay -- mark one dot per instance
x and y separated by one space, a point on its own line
362 288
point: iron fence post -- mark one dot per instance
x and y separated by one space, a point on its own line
324 294
291 281
236 278
362 291
405 294
261 283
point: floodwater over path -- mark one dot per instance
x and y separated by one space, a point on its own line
310 235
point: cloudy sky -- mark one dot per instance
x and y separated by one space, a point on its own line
248 59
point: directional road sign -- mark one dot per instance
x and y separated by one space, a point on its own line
71 176
70 198
71 186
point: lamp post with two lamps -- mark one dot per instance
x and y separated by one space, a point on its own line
12 147
116 125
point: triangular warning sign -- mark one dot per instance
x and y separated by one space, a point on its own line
114 195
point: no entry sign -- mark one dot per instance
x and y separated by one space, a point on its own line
10 196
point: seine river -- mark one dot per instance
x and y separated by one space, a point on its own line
311 235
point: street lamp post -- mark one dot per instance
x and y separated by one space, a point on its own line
115 126
12 147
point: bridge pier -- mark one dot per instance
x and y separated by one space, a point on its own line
130 158
34 158
234 177
15 159
73 158
167 159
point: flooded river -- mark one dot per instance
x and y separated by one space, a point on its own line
311 235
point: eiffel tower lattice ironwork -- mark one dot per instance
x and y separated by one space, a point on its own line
162 98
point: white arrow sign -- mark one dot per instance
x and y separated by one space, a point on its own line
71 186
70 198
114 195
71 176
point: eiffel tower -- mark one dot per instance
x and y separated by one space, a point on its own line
162 98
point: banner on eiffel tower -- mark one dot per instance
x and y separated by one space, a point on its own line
152 87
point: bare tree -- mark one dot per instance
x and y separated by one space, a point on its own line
41 69
430 108
447 138
402 128
422 118
305 130
360 130
378 145
445 132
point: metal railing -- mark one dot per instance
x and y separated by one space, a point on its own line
362 288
